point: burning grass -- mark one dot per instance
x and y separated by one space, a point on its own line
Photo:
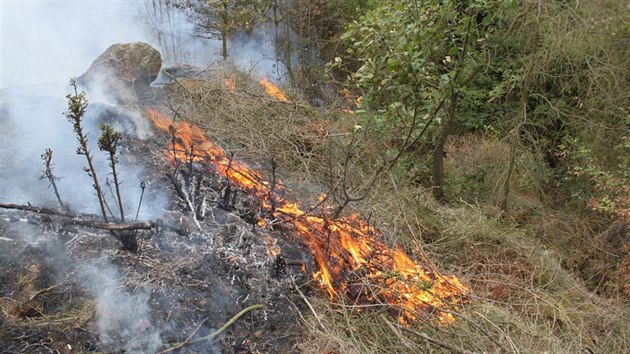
353 261
522 296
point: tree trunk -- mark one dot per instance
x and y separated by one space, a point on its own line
439 154
224 50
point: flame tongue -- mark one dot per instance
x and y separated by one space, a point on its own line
273 90
352 260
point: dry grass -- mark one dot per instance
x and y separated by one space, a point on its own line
526 294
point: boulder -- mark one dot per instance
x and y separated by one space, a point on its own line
124 71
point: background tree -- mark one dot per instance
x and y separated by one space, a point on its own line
220 19
417 55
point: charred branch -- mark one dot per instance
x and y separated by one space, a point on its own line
142 225
143 187
44 210
186 179
79 219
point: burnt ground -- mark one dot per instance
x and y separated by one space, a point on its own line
69 289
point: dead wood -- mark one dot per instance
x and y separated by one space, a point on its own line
142 225
214 335
43 210
97 224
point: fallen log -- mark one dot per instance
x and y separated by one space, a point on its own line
80 219
143 225
43 210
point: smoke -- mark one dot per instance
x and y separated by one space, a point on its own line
51 41
44 43
255 53
34 123
122 318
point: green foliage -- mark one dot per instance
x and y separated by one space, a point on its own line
77 104
610 193
574 74
419 73
549 73
109 139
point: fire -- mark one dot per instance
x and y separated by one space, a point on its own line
273 90
352 102
230 84
353 260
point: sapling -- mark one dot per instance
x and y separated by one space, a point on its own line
108 142
48 174
77 104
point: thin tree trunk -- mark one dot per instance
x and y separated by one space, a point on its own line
92 172
112 159
506 184
224 50
439 154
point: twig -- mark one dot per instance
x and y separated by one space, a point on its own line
438 342
48 173
42 291
402 338
214 335
309 305
142 186
188 340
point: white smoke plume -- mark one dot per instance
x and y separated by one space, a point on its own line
122 318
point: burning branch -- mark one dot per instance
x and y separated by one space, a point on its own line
273 90
48 174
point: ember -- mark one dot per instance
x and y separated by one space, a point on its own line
273 90
352 260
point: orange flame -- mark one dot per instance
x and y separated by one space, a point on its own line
273 90
352 102
352 260
230 84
